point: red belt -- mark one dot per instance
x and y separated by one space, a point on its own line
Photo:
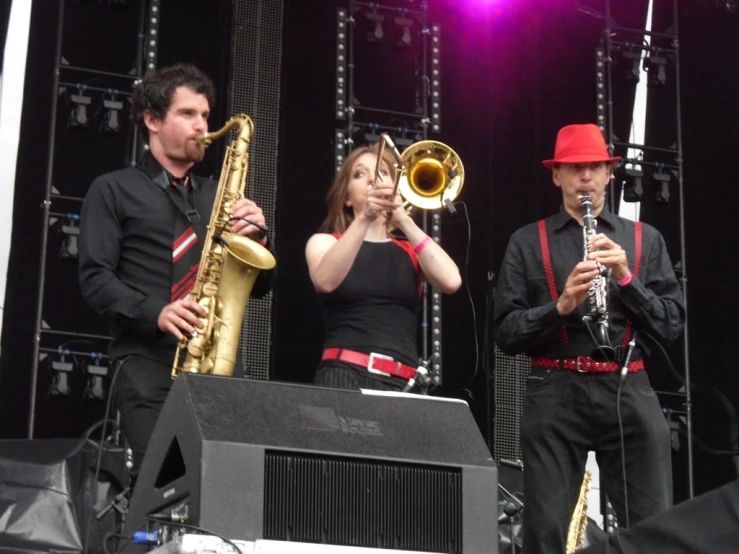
585 365
371 362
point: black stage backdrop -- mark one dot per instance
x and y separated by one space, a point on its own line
512 74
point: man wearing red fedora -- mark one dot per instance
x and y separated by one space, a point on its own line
582 305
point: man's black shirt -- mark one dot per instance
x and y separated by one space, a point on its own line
125 255
526 318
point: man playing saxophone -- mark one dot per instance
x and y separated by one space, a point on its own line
545 308
141 242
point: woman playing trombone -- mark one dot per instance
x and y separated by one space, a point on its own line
368 283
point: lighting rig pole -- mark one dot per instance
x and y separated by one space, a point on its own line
665 166
68 77
370 121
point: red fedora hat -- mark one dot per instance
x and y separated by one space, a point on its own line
578 144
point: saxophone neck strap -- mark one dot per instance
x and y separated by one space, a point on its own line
183 205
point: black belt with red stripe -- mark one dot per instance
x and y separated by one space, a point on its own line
585 364
371 362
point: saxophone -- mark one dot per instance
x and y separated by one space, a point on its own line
597 319
576 531
229 265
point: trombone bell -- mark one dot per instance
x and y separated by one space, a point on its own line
432 174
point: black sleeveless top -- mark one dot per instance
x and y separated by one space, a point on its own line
375 309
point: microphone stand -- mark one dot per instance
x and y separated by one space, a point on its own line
514 506
511 509
420 378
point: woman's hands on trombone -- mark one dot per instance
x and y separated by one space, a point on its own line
379 201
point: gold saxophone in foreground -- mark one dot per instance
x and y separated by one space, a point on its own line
576 533
229 265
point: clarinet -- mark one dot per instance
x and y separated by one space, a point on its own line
597 319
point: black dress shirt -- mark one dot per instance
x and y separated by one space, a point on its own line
526 318
125 254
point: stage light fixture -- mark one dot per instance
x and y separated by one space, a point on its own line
661 177
405 25
654 64
111 123
372 134
61 369
632 184
96 372
78 116
731 6
632 55
70 231
376 32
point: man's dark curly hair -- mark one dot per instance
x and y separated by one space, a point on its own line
154 93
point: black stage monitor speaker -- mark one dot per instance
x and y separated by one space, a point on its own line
253 460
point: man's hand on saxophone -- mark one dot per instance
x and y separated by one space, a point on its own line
180 316
610 254
576 287
248 217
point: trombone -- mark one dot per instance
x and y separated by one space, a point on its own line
428 174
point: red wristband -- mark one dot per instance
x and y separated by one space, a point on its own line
421 245
625 281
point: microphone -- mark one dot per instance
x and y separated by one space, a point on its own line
625 368
517 464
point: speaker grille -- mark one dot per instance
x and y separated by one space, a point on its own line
255 90
362 503
510 387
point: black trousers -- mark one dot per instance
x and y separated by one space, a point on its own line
706 524
340 375
565 415
141 388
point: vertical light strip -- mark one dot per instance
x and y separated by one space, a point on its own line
11 107
631 210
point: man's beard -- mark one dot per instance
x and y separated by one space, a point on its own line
194 151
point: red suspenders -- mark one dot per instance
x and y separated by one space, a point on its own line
547 259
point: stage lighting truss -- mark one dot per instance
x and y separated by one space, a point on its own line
341 141
600 90
96 371
152 36
342 22
377 17
435 82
